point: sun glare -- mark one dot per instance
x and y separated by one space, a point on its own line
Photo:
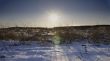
53 16
53 19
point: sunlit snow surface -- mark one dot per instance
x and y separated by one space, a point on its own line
14 51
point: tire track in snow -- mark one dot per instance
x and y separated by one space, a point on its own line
59 54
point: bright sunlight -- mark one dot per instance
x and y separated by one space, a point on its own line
53 16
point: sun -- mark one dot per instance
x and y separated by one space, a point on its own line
53 19
53 16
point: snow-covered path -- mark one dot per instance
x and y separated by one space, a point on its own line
36 52
59 54
65 53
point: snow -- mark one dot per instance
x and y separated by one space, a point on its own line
33 51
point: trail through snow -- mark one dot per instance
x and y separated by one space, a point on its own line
70 52
59 54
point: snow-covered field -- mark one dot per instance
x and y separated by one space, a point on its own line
32 51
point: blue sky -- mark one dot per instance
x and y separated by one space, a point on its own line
72 12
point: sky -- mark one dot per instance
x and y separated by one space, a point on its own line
37 13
